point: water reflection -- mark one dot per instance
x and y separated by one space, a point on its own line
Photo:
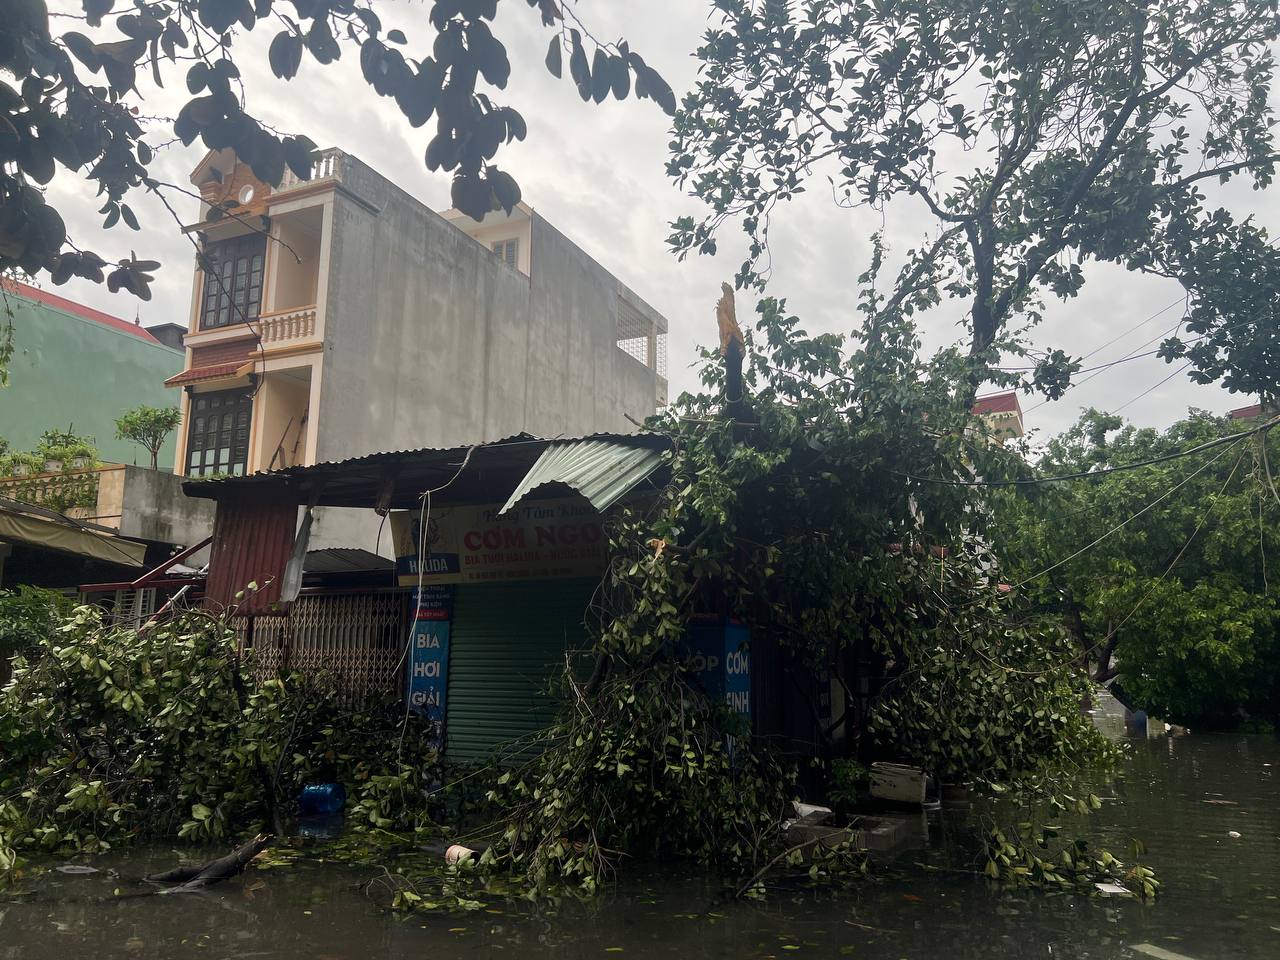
1184 796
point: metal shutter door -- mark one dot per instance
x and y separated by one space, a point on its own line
507 646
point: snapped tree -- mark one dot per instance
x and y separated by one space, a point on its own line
1035 137
75 102
148 427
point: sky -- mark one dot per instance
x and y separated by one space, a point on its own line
597 173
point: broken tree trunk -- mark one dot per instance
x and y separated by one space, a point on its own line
224 868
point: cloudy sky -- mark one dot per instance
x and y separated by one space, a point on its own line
597 172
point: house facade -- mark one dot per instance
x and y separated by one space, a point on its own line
339 316
80 368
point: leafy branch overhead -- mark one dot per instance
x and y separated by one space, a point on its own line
1036 137
75 102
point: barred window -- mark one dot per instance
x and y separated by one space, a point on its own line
218 433
233 282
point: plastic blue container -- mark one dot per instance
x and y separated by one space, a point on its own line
318 799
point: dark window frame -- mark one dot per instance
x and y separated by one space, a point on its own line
218 433
232 291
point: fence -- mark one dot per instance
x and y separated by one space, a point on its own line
357 638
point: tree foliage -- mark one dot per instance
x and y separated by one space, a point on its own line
801 517
148 427
113 735
1037 137
1169 570
75 102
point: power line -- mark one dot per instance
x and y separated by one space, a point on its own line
1154 386
1120 526
1087 474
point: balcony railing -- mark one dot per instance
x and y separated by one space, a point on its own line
77 493
287 326
328 165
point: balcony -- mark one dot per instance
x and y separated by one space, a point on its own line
287 326
327 166
74 492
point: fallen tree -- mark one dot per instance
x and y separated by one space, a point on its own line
111 736
798 510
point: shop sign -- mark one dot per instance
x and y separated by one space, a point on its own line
536 540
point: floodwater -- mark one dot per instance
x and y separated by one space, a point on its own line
1184 796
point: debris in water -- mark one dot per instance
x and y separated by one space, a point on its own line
1223 803
1160 953
76 869
1112 890
1233 834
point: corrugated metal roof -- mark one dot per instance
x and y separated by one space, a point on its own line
252 541
492 471
603 471
344 560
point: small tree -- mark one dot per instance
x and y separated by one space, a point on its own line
149 427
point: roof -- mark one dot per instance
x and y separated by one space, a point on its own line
1247 413
484 473
40 527
603 471
1006 402
28 292
215 371
344 560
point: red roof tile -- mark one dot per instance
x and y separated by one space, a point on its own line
216 371
1247 413
1006 402
29 292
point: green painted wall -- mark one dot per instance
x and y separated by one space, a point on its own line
68 369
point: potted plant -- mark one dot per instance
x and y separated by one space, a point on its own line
25 464
81 455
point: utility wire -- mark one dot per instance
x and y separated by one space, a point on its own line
1154 386
1150 590
1124 523
1086 474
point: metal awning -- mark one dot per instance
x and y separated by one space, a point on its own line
38 527
603 471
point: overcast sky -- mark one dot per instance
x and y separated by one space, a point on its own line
597 173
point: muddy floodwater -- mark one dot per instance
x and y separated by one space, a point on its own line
1185 796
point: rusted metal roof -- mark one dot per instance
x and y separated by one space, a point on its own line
252 542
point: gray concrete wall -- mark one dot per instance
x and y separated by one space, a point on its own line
155 508
431 341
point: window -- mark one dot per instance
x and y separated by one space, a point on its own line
218 433
508 251
233 283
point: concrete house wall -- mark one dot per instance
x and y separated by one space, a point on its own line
434 341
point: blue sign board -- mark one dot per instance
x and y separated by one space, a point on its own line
429 654
720 660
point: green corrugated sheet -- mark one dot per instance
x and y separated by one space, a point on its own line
601 470
506 648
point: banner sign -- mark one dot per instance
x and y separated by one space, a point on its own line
717 654
538 540
429 655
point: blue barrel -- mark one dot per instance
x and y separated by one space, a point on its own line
318 799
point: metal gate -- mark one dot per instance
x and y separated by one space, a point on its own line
358 638
507 650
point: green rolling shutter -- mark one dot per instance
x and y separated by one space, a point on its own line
506 647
